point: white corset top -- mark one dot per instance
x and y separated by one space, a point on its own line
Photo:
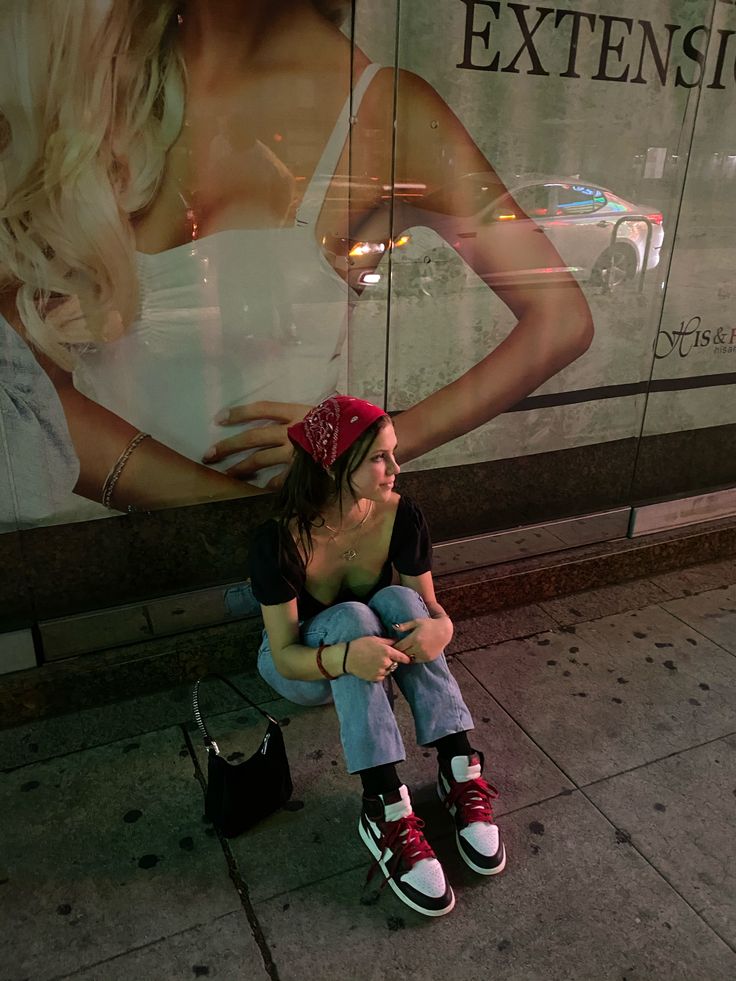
231 318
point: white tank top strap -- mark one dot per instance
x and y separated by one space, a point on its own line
314 196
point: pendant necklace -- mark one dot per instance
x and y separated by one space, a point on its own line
350 553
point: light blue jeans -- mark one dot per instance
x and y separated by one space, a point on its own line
368 729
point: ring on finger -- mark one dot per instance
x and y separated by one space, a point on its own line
392 667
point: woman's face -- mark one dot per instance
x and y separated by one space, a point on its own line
374 478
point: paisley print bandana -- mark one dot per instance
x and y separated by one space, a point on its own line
333 426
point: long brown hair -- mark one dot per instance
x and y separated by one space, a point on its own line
309 488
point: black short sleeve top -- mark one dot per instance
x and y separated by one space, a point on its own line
278 573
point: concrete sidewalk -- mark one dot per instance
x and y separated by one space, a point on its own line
608 720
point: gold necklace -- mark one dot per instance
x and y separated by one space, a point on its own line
350 553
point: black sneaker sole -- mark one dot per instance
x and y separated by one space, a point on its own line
372 847
499 859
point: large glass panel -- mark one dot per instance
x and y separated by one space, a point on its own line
545 153
689 432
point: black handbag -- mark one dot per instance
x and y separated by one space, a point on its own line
239 794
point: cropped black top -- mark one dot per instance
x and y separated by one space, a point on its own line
278 573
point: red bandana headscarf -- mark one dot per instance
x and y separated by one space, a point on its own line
333 426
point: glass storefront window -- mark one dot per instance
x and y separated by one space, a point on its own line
509 225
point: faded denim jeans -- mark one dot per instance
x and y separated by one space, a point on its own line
368 729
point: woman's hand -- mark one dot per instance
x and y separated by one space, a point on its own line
428 638
270 441
370 658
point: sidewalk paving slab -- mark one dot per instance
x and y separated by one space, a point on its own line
106 851
84 729
606 601
712 614
220 951
493 628
574 903
617 693
326 826
680 814
697 578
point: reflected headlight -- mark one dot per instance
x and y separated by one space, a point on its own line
377 248
367 248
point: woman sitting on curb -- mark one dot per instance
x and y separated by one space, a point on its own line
336 629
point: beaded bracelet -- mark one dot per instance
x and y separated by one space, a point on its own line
320 665
112 478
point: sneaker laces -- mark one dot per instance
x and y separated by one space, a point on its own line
473 798
406 842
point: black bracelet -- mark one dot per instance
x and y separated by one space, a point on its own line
345 658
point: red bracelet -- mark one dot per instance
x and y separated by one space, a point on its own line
320 665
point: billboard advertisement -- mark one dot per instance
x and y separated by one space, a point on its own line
214 216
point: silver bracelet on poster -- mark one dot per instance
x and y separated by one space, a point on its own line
112 478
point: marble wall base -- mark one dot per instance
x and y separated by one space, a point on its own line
153 665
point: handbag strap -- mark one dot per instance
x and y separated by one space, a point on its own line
208 740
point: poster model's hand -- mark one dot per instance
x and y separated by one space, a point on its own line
270 441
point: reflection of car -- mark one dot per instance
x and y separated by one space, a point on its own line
578 218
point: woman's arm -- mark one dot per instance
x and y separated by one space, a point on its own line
554 321
154 475
554 324
368 657
294 660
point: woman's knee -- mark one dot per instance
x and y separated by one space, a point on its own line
394 604
344 621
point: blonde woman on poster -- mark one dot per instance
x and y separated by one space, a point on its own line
171 194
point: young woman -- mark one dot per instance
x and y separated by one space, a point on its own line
335 629
179 239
